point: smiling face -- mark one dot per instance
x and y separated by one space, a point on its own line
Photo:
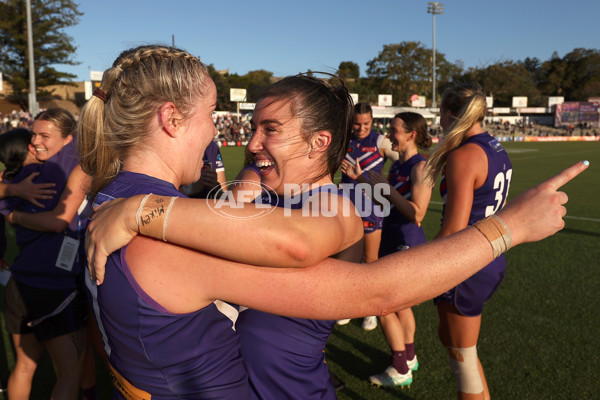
362 125
400 138
47 140
280 149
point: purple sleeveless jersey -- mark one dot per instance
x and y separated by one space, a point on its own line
212 157
194 355
398 232
470 295
35 265
285 356
366 150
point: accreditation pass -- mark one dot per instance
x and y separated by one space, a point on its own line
67 254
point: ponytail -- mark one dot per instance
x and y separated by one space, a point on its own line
466 104
97 157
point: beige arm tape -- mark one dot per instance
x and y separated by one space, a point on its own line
496 232
152 216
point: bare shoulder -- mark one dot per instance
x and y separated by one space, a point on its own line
169 274
468 161
340 209
468 154
418 169
352 225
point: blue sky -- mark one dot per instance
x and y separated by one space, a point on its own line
287 37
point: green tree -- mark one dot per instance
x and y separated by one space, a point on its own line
349 70
222 84
583 70
255 82
51 45
504 80
553 76
404 69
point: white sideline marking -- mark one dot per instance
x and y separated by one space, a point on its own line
566 216
583 218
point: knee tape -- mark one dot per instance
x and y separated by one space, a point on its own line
465 367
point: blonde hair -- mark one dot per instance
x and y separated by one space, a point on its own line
140 80
466 103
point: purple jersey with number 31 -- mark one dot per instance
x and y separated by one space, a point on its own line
470 295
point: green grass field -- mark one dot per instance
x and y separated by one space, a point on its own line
539 337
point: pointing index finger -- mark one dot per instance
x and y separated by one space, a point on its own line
567 175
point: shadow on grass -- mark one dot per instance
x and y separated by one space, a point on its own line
359 359
352 363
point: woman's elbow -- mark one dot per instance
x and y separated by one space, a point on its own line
58 226
297 251
418 219
419 216
299 255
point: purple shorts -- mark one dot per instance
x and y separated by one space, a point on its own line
370 212
470 295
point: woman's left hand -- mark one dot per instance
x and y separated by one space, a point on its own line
352 170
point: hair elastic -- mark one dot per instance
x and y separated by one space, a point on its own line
101 94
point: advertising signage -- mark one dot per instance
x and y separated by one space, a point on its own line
575 112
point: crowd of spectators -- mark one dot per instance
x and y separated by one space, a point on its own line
15 119
534 129
237 129
232 128
507 128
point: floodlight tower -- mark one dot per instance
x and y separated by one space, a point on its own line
33 104
434 8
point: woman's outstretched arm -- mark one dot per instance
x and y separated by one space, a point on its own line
321 291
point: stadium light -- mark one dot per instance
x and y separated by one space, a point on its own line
434 8
33 104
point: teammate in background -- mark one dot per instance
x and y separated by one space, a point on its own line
401 230
213 174
371 150
26 189
475 180
15 152
45 305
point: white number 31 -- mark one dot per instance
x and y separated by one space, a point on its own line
501 193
